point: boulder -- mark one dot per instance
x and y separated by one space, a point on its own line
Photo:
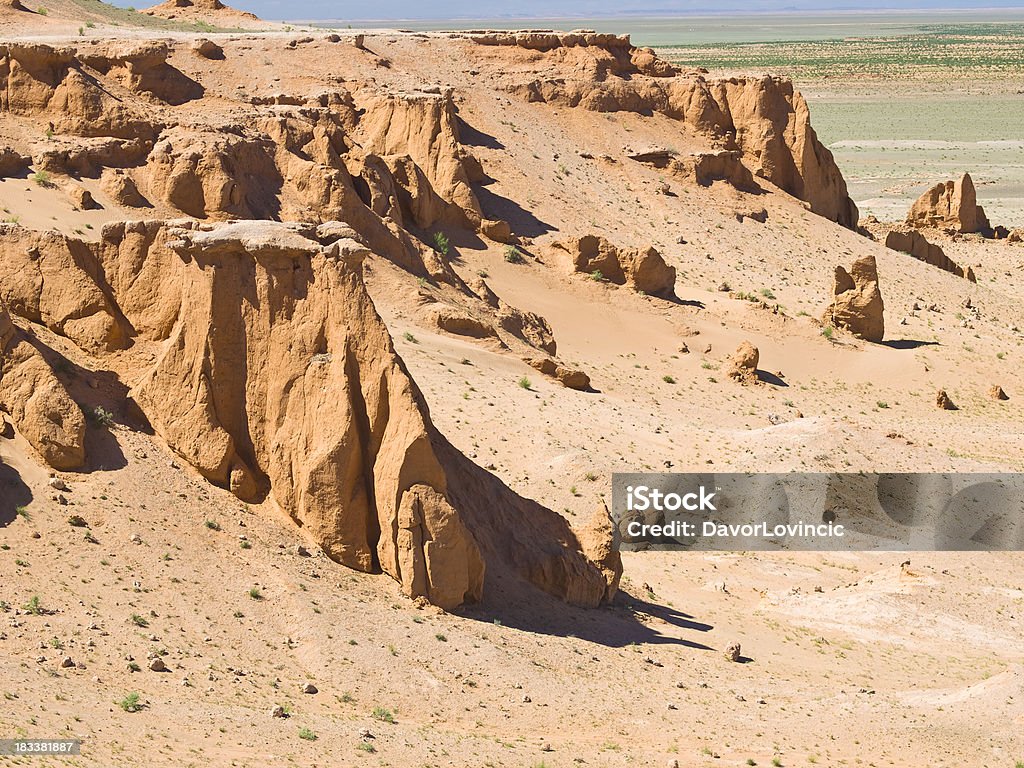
12 162
122 190
462 323
599 540
857 304
207 49
642 269
38 403
950 204
497 230
912 242
568 377
742 364
943 401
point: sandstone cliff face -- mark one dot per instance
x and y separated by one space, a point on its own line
952 204
914 243
41 81
764 119
275 377
37 401
422 128
53 280
857 304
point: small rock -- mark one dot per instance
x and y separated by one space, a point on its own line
943 401
278 711
997 393
67 662
733 652
301 551
157 665
310 688
136 539
58 485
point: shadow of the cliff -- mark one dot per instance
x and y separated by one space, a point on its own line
907 343
525 544
474 137
522 221
13 494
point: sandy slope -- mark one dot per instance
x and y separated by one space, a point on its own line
884 666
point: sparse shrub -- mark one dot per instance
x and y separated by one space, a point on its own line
410 338
130 703
139 621
596 276
77 521
255 593
384 715
441 638
828 332
307 734
525 383
668 379
42 178
34 606
513 255
882 404
213 525
245 544
441 243
42 11
367 747
22 511
102 416
767 293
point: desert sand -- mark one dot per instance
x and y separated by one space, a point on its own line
318 349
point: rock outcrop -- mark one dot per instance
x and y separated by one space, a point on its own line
642 269
200 10
50 279
274 377
943 401
951 204
39 404
742 364
912 242
567 377
12 162
764 119
857 304
599 540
